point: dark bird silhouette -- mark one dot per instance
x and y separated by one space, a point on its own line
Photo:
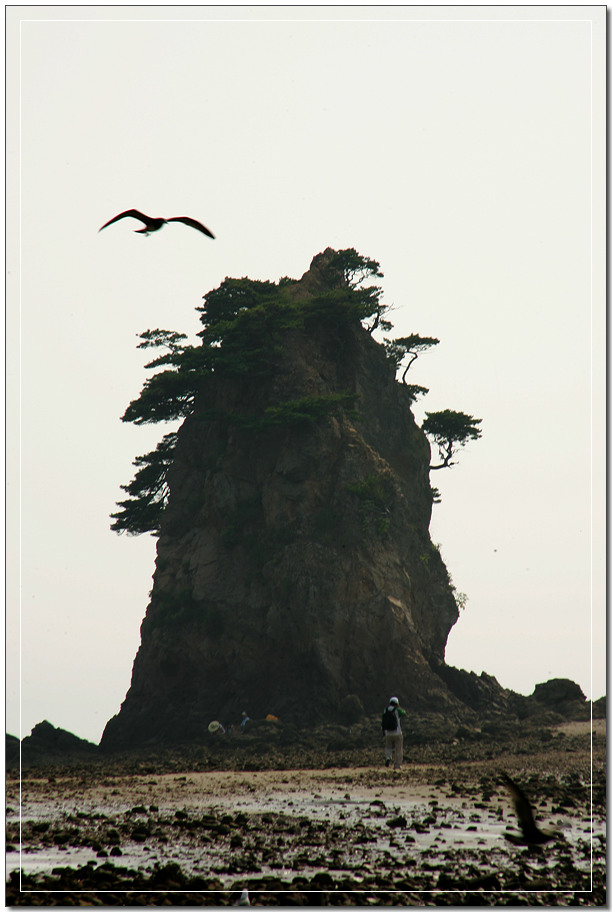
154 224
530 833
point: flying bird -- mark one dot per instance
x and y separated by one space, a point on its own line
531 835
154 224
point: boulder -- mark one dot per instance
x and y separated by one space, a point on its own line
558 691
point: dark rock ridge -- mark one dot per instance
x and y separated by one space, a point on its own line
46 745
295 574
11 751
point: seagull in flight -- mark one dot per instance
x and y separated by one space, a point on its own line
530 834
154 224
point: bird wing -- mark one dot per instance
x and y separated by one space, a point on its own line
522 808
132 213
192 223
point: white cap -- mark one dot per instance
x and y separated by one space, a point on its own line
393 700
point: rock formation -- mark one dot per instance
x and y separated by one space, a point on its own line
48 745
295 574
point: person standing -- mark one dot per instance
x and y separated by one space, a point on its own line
394 739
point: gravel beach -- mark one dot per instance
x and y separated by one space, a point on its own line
345 831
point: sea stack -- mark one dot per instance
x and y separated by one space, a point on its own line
294 565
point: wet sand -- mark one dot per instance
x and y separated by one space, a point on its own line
430 834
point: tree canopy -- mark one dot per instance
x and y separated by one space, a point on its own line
450 430
148 491
413 345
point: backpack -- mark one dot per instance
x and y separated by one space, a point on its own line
389 720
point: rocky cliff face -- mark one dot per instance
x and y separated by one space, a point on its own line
294 566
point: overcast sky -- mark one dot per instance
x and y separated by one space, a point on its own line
461 147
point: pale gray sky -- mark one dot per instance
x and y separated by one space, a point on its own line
461 147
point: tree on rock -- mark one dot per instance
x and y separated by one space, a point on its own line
247 324
245 327
354 269
450 430
408 345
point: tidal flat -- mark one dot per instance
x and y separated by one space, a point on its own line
350 832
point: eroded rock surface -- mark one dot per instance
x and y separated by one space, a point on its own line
294 565
295 574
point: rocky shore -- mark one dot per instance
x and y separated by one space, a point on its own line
315 819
